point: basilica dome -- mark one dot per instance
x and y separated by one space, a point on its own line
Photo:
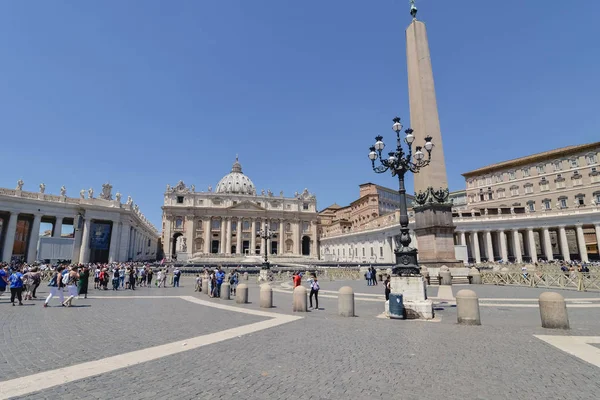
236 182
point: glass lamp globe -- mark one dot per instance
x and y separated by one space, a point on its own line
428 144
410 138
379 145
419 155
392 159
372 156
397 127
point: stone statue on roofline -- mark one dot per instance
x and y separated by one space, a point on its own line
20 184
63 191
42 188
118 197
82 193
129 200
106 192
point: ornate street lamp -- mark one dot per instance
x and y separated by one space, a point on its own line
399 163
266 233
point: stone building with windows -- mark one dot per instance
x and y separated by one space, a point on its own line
224 223
37 226
544 206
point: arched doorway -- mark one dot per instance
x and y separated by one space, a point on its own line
175 244
305 246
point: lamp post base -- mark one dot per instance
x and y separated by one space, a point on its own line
406 262
266 265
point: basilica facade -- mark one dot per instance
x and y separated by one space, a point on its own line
224 223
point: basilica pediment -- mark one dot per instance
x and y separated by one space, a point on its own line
246 205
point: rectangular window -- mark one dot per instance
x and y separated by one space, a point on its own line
557 166
529 189
246 225
344 252
511 175
541 169
488 181
544 186
364 252
200 202
216 224
179 199
596 178
560 184
372 252
233 226
305 206
501 194
490 196
547 204
598 198
577 182
531 206
580 201
526 172
563 202
381 252
514 191
574 163
591 159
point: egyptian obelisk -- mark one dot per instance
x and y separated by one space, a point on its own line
433 212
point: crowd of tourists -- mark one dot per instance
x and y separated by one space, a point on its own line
22 280
215 278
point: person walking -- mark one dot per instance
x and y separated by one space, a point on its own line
176 276
115 278
388 288
234 280
37 279
16 285
314 291
3 279
82 284
56 286
149 274
368 276
132 278
374 276
71 279
28 283
220 275
122 276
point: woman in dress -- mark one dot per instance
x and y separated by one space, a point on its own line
82 285
71 279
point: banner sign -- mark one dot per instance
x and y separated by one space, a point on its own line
100 236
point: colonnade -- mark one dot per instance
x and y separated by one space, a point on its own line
127 241
526 244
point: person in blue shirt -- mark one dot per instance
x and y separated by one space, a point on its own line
220 276
16 286
3 279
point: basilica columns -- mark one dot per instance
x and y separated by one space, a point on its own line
475 247
489 247
564 246
207 229
190 233
532 248
503 246
547 244
281 237
238 244
463 239
581 244
253 237
222 237
228 237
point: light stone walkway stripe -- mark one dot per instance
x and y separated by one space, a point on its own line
536 299
445 293
44 380
578 346
328 296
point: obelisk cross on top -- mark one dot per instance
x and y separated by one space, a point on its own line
413 9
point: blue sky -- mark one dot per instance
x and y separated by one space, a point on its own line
145 93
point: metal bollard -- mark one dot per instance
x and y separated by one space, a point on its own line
266 296
225 291
553 311
241 296
300 301
467 308
245 276
346 302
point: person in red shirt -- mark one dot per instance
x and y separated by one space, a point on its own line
297 279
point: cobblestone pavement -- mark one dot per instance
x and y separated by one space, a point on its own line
321 356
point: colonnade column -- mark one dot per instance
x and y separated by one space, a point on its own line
547 244
503 246
253 238
489 247
57 228
238 244
475 243
463 239
9 241
532 248
85 242
564 246
581 244
517 246
207 235
597 227
115 235
33 238
124 242
281 239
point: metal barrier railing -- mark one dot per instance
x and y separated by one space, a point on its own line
581 281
